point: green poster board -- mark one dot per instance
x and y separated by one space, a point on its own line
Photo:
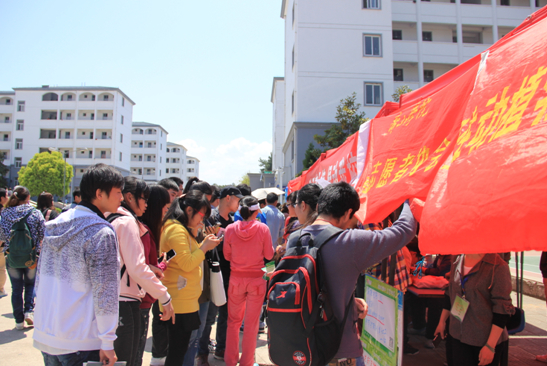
383 327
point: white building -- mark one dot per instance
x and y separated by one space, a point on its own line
192 167
371 47
176 161
88 125
148 151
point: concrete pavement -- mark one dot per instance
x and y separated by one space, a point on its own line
16 346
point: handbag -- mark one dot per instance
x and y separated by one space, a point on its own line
516 322
218 294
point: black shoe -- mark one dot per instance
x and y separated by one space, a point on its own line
409 350
219 355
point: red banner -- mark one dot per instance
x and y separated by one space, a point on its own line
491 196
407 147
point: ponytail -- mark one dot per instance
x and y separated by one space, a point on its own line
248 206
18 197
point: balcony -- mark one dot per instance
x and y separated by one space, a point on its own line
104 118
440 52
49 115
437 12
403 11
512 16
411 84
476 14
405 51
6 145
86 115
6 108
470 50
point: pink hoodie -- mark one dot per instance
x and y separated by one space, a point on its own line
246 244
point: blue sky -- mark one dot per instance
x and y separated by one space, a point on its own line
201 69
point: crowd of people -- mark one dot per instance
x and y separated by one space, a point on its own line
124 248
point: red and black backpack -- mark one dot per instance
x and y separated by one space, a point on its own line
302 329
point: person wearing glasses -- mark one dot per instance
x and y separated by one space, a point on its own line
137 277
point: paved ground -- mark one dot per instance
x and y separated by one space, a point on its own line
16 346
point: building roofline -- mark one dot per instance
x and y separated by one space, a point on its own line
192 157
86 88
7 93
175 144
275 79
148 124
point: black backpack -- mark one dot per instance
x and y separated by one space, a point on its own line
21 252
302 329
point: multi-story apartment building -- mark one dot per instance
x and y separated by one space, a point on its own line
192 167
148 151
176 161
371 47
87 124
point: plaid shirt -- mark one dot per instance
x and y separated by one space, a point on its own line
402 277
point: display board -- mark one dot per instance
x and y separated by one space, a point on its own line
383 326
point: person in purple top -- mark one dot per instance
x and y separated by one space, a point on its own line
350 253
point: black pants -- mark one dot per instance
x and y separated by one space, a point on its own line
128 332
179 337
466 355
160 337
417 312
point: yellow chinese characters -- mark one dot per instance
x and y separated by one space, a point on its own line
418 111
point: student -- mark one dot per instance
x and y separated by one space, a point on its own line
3 200
137 278
45 206
159 202
275 219
229 203
184 272
246 244
78 277
200 185
246 191
179 182
77 197
215 198
306 203
171 187
348 254
22 279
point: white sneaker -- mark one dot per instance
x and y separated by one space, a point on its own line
20 326
3 294
157 361
29 318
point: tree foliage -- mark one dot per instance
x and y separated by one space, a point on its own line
3 171
403 89
44 172
265 164
311 155
245 180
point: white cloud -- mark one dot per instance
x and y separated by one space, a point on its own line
227 163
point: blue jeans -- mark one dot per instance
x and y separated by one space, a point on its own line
196 335
22 280
203 341
71 359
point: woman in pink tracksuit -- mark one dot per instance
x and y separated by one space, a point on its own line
246 244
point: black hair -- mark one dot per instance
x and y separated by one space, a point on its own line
137 187
45 201
292 197
18 197
177 181
100 176
194 199
309 194
284 209
337 198
244 189
153 217
272 198
195 184
168 183
75 194
245 203
216 193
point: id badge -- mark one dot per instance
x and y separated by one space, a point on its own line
459 308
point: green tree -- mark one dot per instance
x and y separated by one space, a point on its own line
245 180
3 171
311 156
403 89
44 172
349 120
265 164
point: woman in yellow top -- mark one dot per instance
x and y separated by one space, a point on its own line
183 275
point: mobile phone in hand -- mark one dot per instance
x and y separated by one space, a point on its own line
437 340
170 254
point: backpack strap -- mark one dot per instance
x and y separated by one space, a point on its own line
48 214
329 232
113 217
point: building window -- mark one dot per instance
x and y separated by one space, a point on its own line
504 3
167 161
121 137
161 146
371 4
397 34
428 76
292 103
293 4
293 56
20 125
20 106
69 97
190 170
67 134
67 155
6 137
18 144
160 159
427 36
122 120
167 171
18 162
372 45
373 94
398 74
120 156
123 102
